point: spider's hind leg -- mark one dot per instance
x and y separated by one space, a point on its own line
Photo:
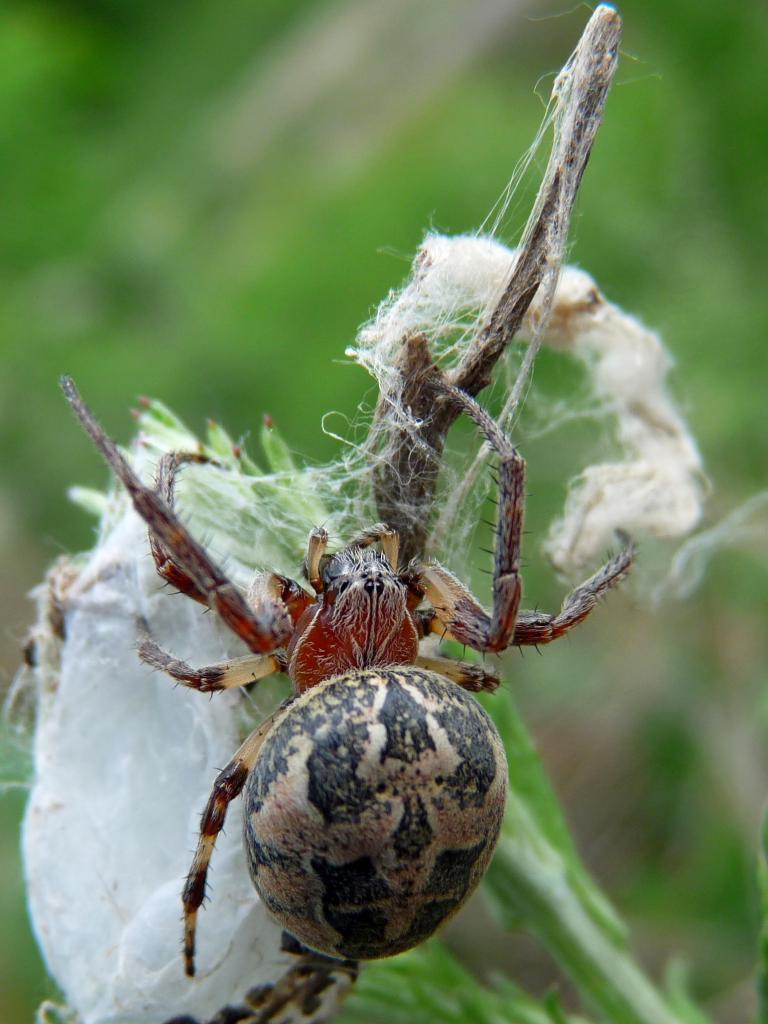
467 674
304 991
227 786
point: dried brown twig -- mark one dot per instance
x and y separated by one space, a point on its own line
406 472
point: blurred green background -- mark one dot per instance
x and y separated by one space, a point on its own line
202 201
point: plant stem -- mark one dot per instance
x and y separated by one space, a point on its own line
537 882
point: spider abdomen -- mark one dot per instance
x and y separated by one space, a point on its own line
373 810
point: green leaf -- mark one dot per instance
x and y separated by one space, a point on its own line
531 785
279 457
679 993
537 881
429 986
89 499
762 877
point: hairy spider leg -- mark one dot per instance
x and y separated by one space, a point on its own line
535 628
457 608
228 785
224 675
298 989
165 483
470 676
458 614
263 634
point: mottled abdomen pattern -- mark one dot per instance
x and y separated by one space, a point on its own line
373 810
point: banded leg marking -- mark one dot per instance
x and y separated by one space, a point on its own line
468 675
170 534
534 628
165 485
225 675
496 634
228 785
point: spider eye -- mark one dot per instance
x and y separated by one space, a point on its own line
374 586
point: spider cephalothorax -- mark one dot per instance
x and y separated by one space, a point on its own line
375 793
363 614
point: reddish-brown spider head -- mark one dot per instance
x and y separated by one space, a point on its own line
362 619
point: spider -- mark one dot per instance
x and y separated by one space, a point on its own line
375 793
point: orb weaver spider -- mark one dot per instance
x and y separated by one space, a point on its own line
375 794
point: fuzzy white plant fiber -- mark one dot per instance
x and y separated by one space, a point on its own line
654 486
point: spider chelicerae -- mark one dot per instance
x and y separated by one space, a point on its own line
363 612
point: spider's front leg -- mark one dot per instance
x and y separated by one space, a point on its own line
457 612
535 628
466 619
263 634
167 567
272 597
228 785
